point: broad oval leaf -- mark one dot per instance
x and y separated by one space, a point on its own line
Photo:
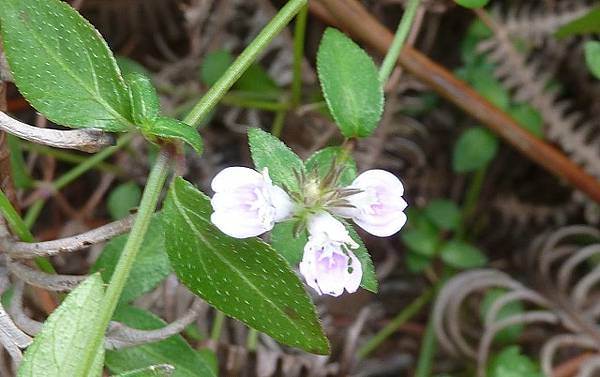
168 128
151 264
474 149
592 57
244 278
65 336
270 152
290 247
145 104
122 199
350 84
173 351
460 254
62 65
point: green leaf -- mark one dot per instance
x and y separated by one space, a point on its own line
151 265
445 214
270 152
128 66
369 278
350 84
168 128
472 3
483 80
475 148
511 363
64 340
322 160
284 242
122 199
160 370
18 167
528 118
244 278
462 255
214 66
62 65
173 351
416 263
422 241
586 24
509 334
145 104
592 57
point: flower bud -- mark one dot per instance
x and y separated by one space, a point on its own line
328 264
246 203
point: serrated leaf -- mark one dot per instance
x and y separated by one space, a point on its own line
350 84
168 128
509 334
474 149
270 152
284 242
64 339
173 351
511 363
460 254
62 66
151 265
145 104
445 214
592 57
369 278
321 161
122 199
244 278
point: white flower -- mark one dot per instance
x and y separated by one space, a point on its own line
328 265
379 207
246 203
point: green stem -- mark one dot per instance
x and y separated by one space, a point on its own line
427 352
36 208
407 313
236 101
246 58
299 37
401 33
148 203
252 340
15 222
217 327
471 199
278 123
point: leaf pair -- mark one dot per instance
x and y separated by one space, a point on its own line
64 68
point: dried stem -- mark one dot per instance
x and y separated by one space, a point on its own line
69 244
86 140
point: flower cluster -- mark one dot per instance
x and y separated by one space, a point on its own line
247 203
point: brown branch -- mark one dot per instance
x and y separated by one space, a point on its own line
351 16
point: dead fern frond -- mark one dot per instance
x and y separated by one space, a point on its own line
529 83
536 24
564 297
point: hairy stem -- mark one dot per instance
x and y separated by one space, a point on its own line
391 58
299 38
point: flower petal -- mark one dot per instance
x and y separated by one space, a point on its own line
238 224
378 177
385 229
236 176
284 207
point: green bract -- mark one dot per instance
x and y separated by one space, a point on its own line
64 339
62 66
350 84
244 278
169 128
